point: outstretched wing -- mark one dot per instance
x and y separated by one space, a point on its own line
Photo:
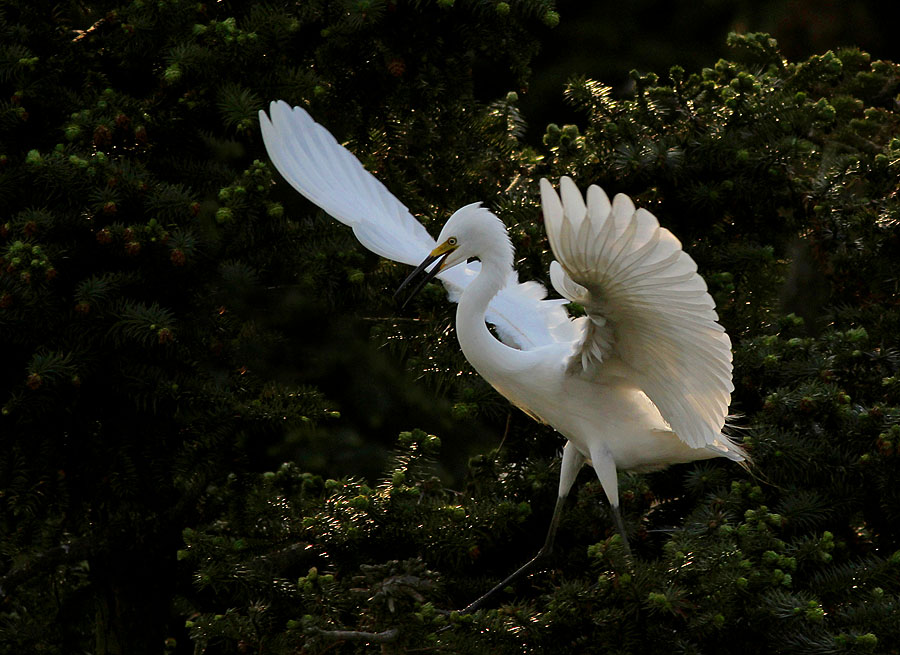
646 305
328 175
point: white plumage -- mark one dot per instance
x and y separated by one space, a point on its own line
327 174
640 382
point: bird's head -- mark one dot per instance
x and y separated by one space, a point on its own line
474 231
471 232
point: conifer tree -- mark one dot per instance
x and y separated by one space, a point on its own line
153 280
798 554
156 274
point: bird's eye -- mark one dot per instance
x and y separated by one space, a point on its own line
451 241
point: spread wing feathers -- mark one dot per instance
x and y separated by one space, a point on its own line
328 175
646 306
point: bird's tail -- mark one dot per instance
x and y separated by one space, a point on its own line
727 446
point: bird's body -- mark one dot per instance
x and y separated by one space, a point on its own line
605 409
589 395
643 380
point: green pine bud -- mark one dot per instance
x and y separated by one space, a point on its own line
456 512
815 614
825 111
856 334
432 444
867 640
360 503
172 74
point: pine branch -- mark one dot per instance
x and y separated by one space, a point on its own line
76 550
385 637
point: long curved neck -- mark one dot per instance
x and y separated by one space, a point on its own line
484 352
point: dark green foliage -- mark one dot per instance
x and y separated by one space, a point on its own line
163 303
169 310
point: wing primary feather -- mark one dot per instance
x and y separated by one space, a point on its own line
662 326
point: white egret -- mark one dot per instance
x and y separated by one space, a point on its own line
642 381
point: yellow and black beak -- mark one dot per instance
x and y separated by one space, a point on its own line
440 253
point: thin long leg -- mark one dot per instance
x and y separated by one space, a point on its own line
620 526
571 463
545 549
605 467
